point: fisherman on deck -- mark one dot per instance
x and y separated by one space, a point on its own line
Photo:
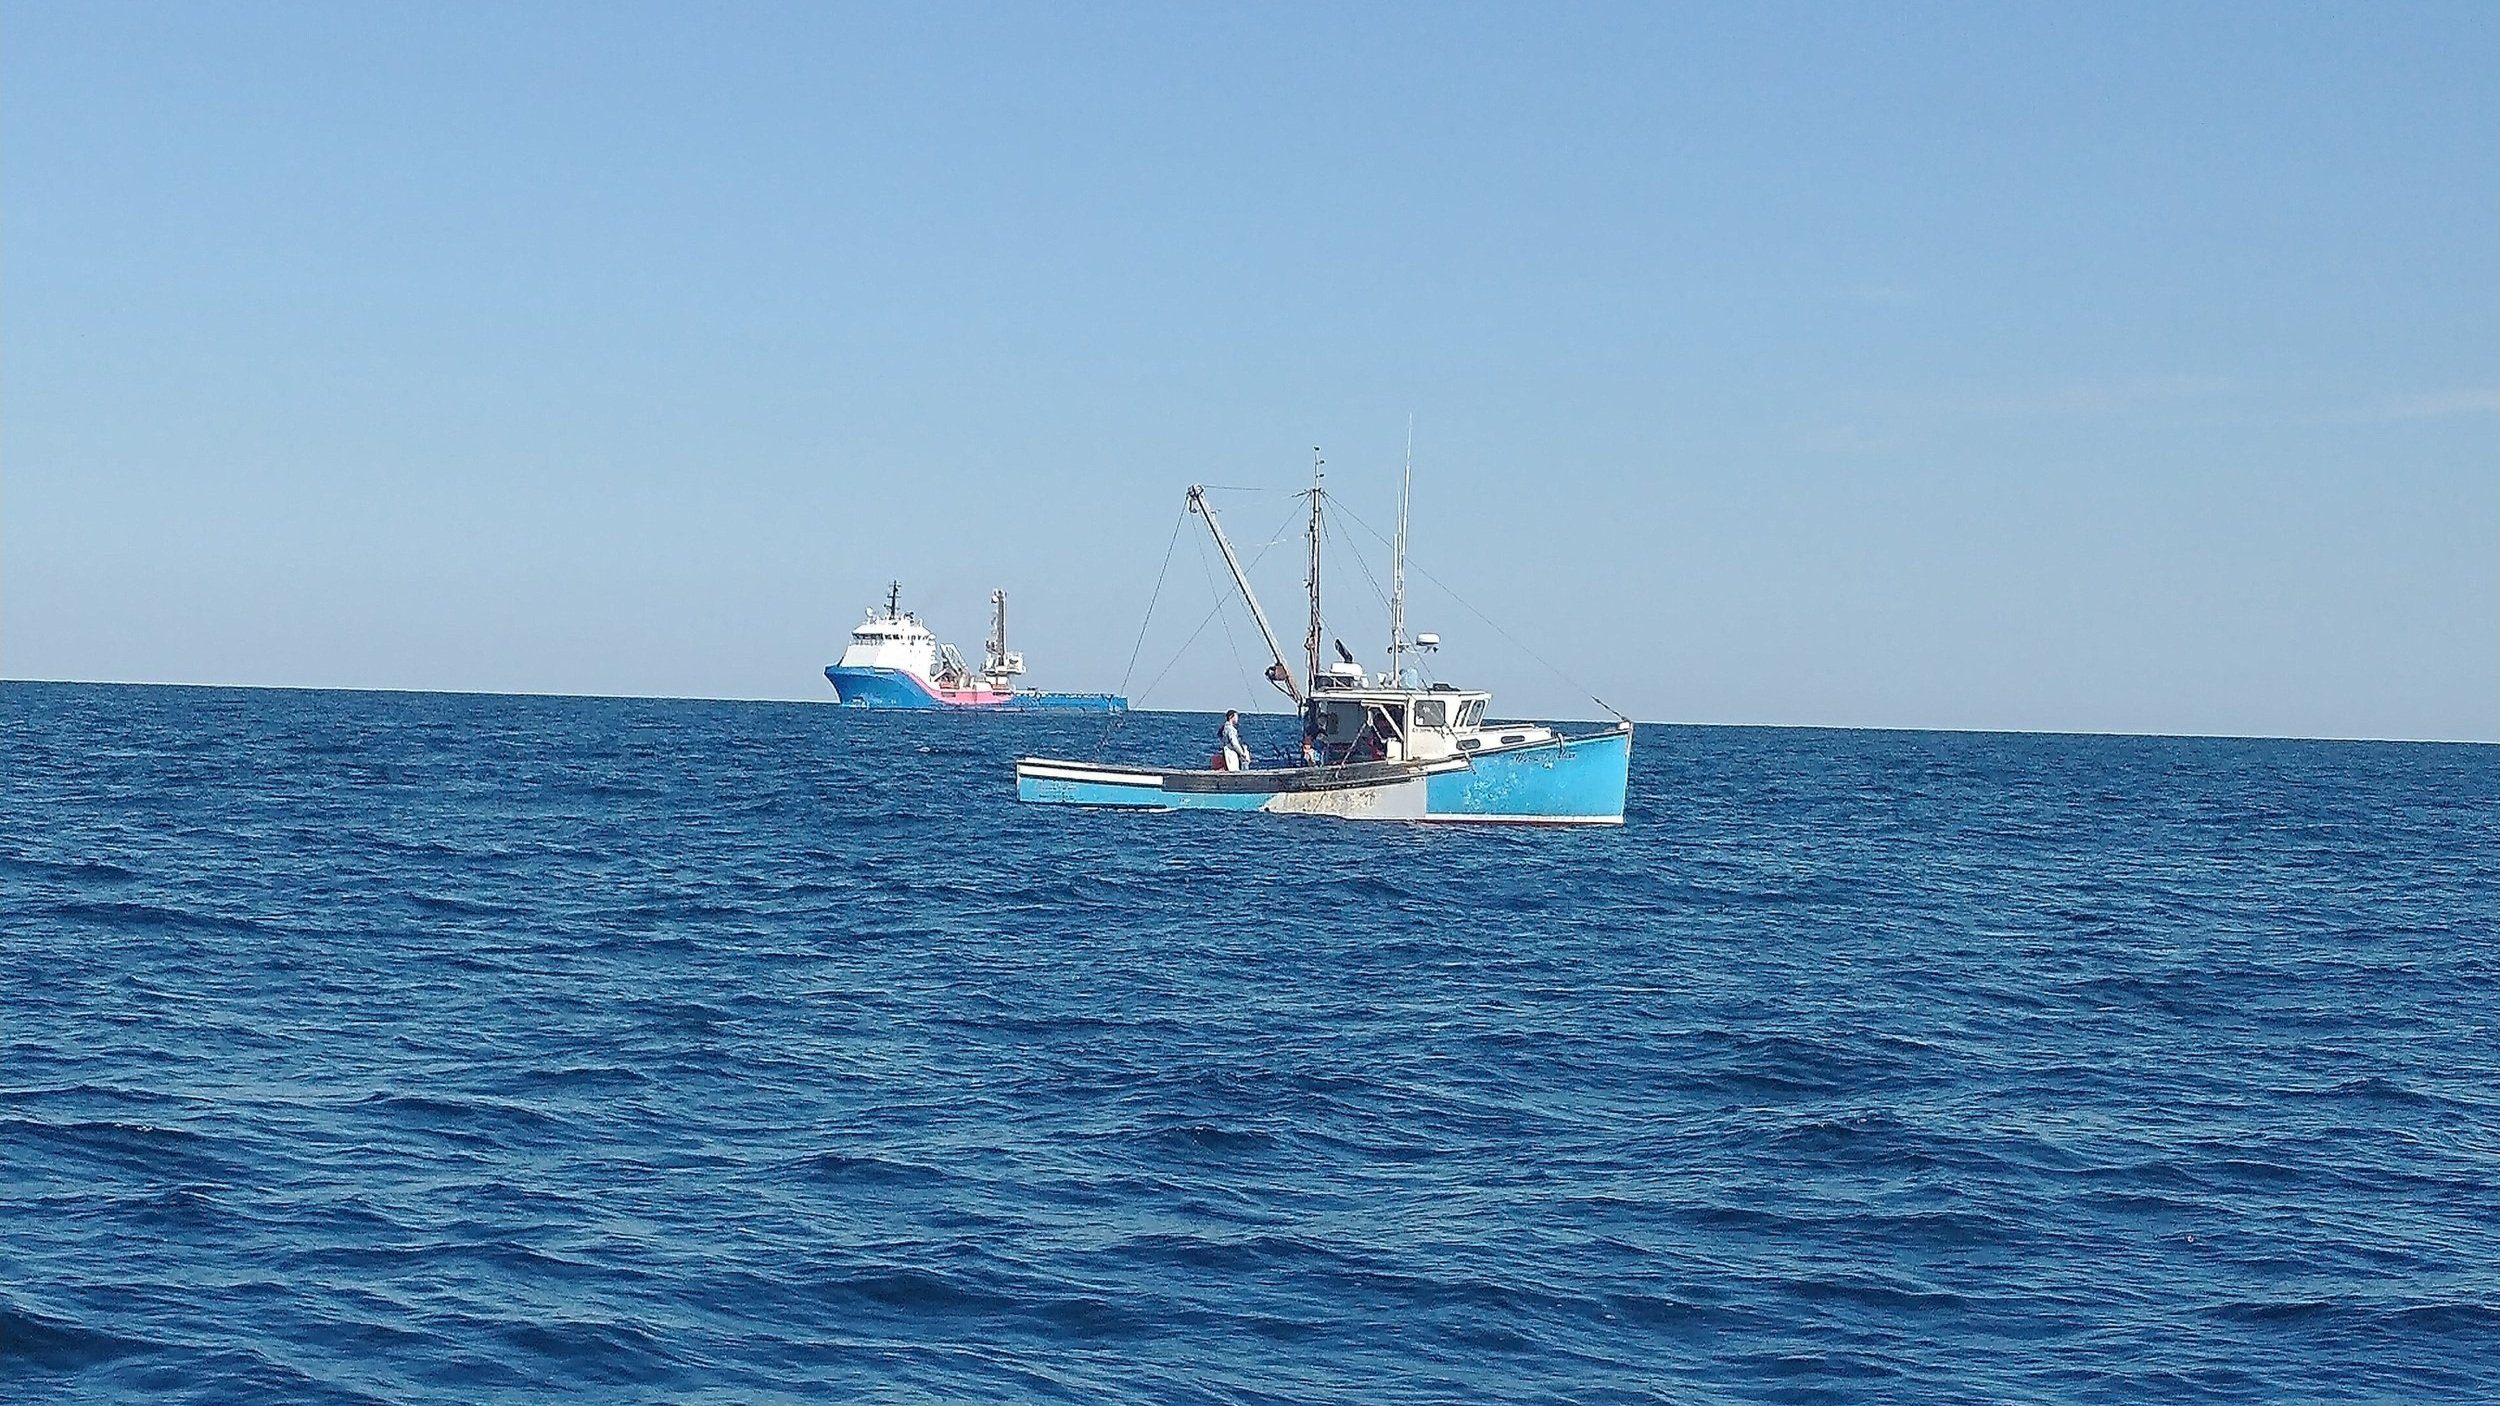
1236 756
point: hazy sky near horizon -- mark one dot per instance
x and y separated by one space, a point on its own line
2093 367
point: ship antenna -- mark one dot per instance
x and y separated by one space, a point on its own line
1310 641
1397 567
893 600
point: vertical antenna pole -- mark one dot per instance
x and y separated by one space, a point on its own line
1397 567
1311 638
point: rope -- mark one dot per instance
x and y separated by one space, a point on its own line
1209 619
1168 548
1371 580
1417 660
1231 645
1112 724
1118 720
1555 669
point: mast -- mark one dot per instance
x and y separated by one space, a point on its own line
1277 673
1397 567
894 600
1310 641
998 630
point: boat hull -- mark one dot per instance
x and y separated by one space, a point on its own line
859 687
1559 781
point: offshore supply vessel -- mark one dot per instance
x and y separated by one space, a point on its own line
893 661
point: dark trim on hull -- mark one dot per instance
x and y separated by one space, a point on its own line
1277 781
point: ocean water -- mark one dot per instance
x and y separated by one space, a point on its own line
417 1048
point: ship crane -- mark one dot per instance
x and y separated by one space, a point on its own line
998 661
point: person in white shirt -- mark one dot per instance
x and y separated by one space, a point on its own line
1236 756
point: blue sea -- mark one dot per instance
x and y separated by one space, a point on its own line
428 1048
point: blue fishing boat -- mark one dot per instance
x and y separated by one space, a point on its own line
1385 746
893 661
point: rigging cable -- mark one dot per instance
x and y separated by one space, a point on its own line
1118 720
1231 646
1489 622
1369 579
1213 611
1112 724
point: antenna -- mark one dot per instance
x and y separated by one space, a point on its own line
1311 639
1397 566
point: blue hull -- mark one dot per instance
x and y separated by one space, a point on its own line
1559 781
1567 780
893 688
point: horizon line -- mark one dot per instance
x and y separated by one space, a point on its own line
830 703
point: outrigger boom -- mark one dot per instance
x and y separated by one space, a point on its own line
1277 673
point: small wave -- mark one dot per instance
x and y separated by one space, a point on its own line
913 1290
574 1078
679 1016
1664 1311
35 1342
589 1350
867 1168
463 1118
130 917
76 871
1227 1254
177 1153
452 905
2379 1089
1210 1139
2458 1318
1868 1289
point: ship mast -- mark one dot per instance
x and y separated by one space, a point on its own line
1397 567
998 630
1277 673
894 600
1311 639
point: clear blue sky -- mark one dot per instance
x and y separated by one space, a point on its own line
2093 366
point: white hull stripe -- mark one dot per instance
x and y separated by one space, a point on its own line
1052 771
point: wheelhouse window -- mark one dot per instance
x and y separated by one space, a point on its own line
1431 712
1470 714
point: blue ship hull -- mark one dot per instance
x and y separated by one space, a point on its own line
897 688
1556 781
